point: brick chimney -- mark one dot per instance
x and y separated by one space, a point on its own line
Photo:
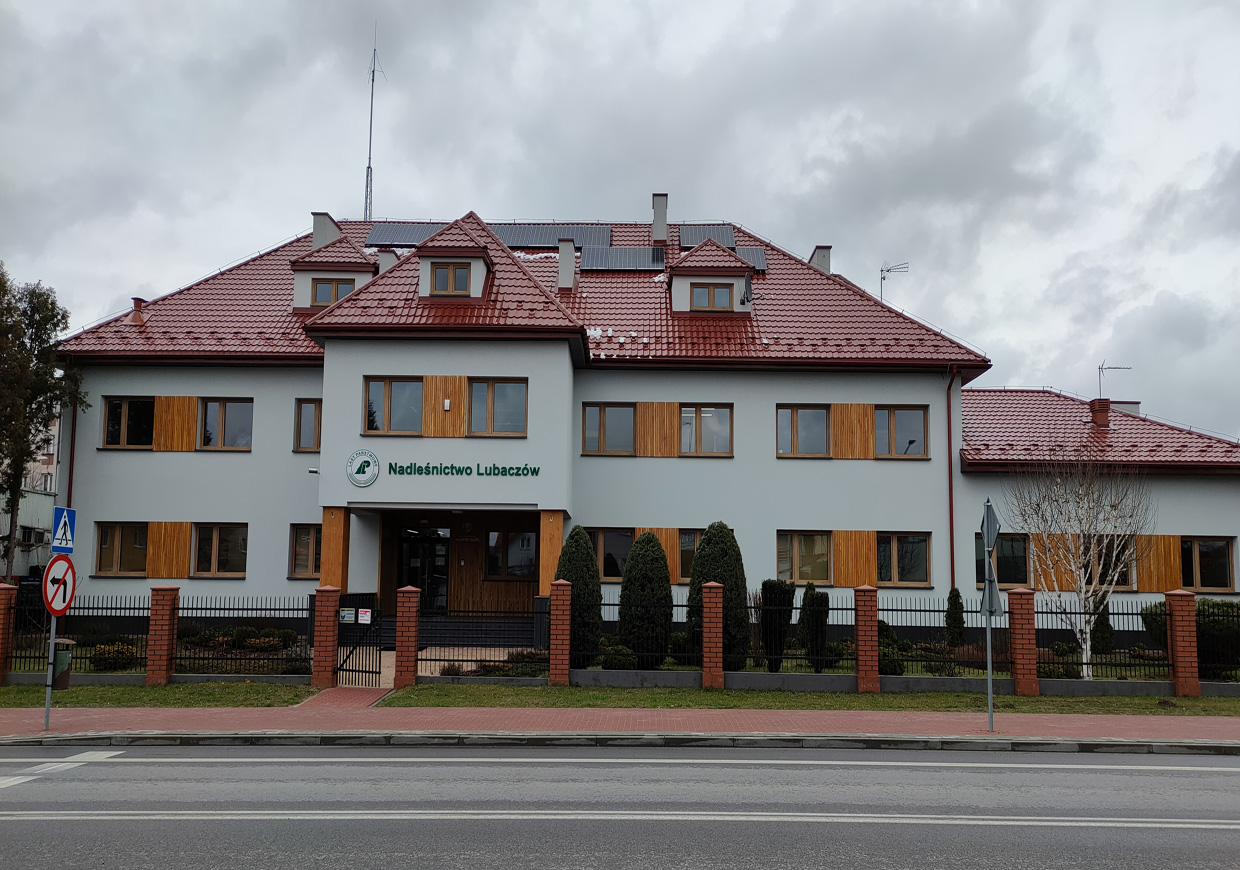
1100 412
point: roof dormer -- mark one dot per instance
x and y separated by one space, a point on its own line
333 268
453 263
711 279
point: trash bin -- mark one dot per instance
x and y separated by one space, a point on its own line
62 669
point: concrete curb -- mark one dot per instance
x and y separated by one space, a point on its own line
954 743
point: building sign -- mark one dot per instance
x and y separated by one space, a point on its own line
363 468
477 469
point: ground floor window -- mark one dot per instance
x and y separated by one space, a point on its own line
1011 560
612 546
1206 563
803 557
304 560
121 550
512 555
689 540
903 560
220 550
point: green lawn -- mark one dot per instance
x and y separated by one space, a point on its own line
447 695
174 695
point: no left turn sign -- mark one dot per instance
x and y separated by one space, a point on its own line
59 585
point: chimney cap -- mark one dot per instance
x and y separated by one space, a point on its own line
137 316
1100 412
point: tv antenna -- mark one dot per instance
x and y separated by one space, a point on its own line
374 65
888 270
1106 368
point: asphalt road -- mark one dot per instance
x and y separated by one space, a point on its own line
315 807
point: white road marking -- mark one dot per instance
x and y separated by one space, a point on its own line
96 755
55 766
7 781
72 815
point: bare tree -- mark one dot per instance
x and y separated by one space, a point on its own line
1089 524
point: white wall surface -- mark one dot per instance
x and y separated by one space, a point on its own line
303 281
477 273
682 299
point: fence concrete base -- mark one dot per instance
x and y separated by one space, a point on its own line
275 679
1107 688
976 685
79 680
636 679
486 681
1220 690
790 682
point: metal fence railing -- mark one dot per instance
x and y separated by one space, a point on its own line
259 635
796 640
109 633
1125 643
484 643
641 637
915 639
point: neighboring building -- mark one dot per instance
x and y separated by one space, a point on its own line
377 404
34 516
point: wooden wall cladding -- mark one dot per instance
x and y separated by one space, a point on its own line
852 431
469 592
670 539
1159 569
657 429
334 556
168 550
436 422
550 542
854 557
176 423
1046 563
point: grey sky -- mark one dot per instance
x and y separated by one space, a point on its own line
1064 178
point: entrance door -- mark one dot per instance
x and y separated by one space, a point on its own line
425 558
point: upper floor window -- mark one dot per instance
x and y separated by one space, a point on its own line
1011 560
449 279
227 424
710 297
803 557
689 541
900 432
512 555
607 429
120 549
304 559
903 560
220 550
128 422
497 407
309 420
705 430
394 406
1206 563
801 430
329 290
612 546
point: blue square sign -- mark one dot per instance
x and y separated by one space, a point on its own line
63 522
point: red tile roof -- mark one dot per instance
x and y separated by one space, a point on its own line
342 252
1006 428
456 236
710 257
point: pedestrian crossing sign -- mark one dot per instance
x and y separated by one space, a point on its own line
63 522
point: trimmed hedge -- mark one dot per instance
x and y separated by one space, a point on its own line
953 619
718 560
1218 635
646 602
812 629
777 597
579 566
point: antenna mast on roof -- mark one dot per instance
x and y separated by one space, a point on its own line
374 64
885 271
1106 368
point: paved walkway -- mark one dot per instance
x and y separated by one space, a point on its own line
350 710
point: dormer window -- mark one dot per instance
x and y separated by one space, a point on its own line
711 297
328 290
450 279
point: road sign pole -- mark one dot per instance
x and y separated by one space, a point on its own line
51 663
990 602
990 676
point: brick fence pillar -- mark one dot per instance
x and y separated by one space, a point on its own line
1023 641
712 636
1182 642
561 631
865 616
408 606
8 600
326 635
161 638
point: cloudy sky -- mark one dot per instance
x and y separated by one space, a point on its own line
1063 178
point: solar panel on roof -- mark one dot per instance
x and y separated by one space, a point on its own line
549 235
755 257
400 235
601 258
692 235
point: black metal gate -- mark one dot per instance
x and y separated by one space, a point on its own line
358 658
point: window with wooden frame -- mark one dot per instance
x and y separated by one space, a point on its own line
512 556
1205 564
220 550
903 560
497 407
308 421
900 432
710 297
305 546
705 430
449 279
801 431
607 429
128 422
325 291
611 546
120 549
803 557
689 541
1010 558
393 406
227 424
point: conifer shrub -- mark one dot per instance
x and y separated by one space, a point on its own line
1102 634
579 566
718 560
776 620
953 619
812 629
646 602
